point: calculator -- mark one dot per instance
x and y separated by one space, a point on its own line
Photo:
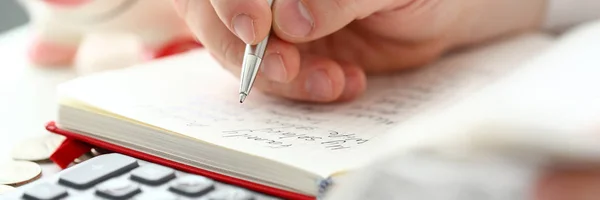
117 176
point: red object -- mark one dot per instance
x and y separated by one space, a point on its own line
176 47
62 156
47 53
68 151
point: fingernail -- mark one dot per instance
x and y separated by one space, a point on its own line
319 85
352 84
273 68
295 19
243 26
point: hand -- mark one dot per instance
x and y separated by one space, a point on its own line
428 176
561 184
321 51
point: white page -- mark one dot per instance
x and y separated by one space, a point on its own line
193 96
549 110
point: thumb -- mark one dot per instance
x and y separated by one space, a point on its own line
307 20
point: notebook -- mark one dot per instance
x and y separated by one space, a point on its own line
185 109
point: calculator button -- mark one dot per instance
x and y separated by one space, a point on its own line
192 185
118 189
45 191
96 170
230 194
152 174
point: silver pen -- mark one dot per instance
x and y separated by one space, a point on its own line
253 56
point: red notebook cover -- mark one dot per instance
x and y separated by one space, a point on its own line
76 145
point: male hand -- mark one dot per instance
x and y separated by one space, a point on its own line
570 184
431 177
321 50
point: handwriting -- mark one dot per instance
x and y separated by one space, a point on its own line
304 118
342 141
283 137
195 123
278 124
380 120
381 109
289 124
271 143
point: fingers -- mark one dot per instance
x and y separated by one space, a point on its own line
208 28
250 20
323 80
284 71
306 20
280 64
319 80
570 185
355 82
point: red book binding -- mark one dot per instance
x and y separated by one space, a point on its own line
76 145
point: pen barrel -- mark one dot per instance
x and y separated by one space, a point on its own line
252 61
250 68
258 49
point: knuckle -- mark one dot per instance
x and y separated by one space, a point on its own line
183 8
349 6
230 53
341 4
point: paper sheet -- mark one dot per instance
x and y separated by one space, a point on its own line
193 96
549 110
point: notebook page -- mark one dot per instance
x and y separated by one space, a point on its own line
548 110
193 96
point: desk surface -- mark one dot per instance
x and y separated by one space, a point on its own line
27 94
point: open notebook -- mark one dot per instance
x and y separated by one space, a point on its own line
185 109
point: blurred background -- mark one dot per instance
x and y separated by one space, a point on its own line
13 15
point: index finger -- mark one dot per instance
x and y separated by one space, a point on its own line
249 20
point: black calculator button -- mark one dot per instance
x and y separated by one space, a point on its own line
153 174
192 185
45 191
230 194
118 189
96 170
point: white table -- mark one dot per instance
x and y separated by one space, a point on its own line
27 93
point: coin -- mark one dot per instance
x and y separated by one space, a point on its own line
37 148
83 158
99 151
5 189
17 173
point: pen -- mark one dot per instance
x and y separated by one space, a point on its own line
253 56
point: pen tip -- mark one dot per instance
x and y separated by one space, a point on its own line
242 97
